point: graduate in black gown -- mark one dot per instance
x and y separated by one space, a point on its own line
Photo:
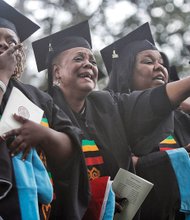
56 141
134 63
124 79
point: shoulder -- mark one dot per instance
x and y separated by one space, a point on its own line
100 96
33 93
30 89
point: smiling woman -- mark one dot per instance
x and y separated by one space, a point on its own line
75 72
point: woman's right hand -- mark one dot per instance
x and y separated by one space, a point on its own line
8 62
120 203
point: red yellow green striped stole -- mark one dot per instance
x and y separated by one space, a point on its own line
168 144
93 158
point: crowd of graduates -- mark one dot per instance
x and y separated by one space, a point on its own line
139 122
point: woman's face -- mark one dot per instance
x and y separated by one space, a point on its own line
7 38
149 71
76 70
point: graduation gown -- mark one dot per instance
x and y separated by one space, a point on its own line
71 188
182 127
112 119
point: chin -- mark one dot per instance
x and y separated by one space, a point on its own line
87 89
158 84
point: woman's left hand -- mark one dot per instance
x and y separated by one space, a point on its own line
30 134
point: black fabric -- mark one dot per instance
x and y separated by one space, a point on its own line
48 47
164 198
9 205
107 135
109 118
16 21
71 188
182 127
121 74
7 24
5 169
114 50
146 138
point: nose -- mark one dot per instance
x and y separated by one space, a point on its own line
88 64
158 66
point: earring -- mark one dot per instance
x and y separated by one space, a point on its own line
56 82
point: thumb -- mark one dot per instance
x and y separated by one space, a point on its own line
19 118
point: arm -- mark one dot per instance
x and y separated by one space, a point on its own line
185 106
178 91
56 145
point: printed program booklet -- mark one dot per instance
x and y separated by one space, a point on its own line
18 103
134 188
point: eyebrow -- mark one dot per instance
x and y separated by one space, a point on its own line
152 56
84 53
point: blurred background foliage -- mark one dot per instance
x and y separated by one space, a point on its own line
110 20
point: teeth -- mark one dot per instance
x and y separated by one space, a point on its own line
86 75
158 78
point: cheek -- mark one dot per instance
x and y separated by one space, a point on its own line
142 79
143 73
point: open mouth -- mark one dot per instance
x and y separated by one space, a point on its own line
158 78
85 75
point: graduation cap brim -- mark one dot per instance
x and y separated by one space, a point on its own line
141 33
24 26
41 47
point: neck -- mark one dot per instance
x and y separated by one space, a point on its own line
75 101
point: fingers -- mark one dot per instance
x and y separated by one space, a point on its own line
25 153
17 150
12 133
187 148
12 49
17 145
120 204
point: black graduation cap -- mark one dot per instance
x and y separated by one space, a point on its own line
14 20
48 47
113 50
173 74
165 61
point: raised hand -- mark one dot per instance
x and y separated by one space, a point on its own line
8 62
